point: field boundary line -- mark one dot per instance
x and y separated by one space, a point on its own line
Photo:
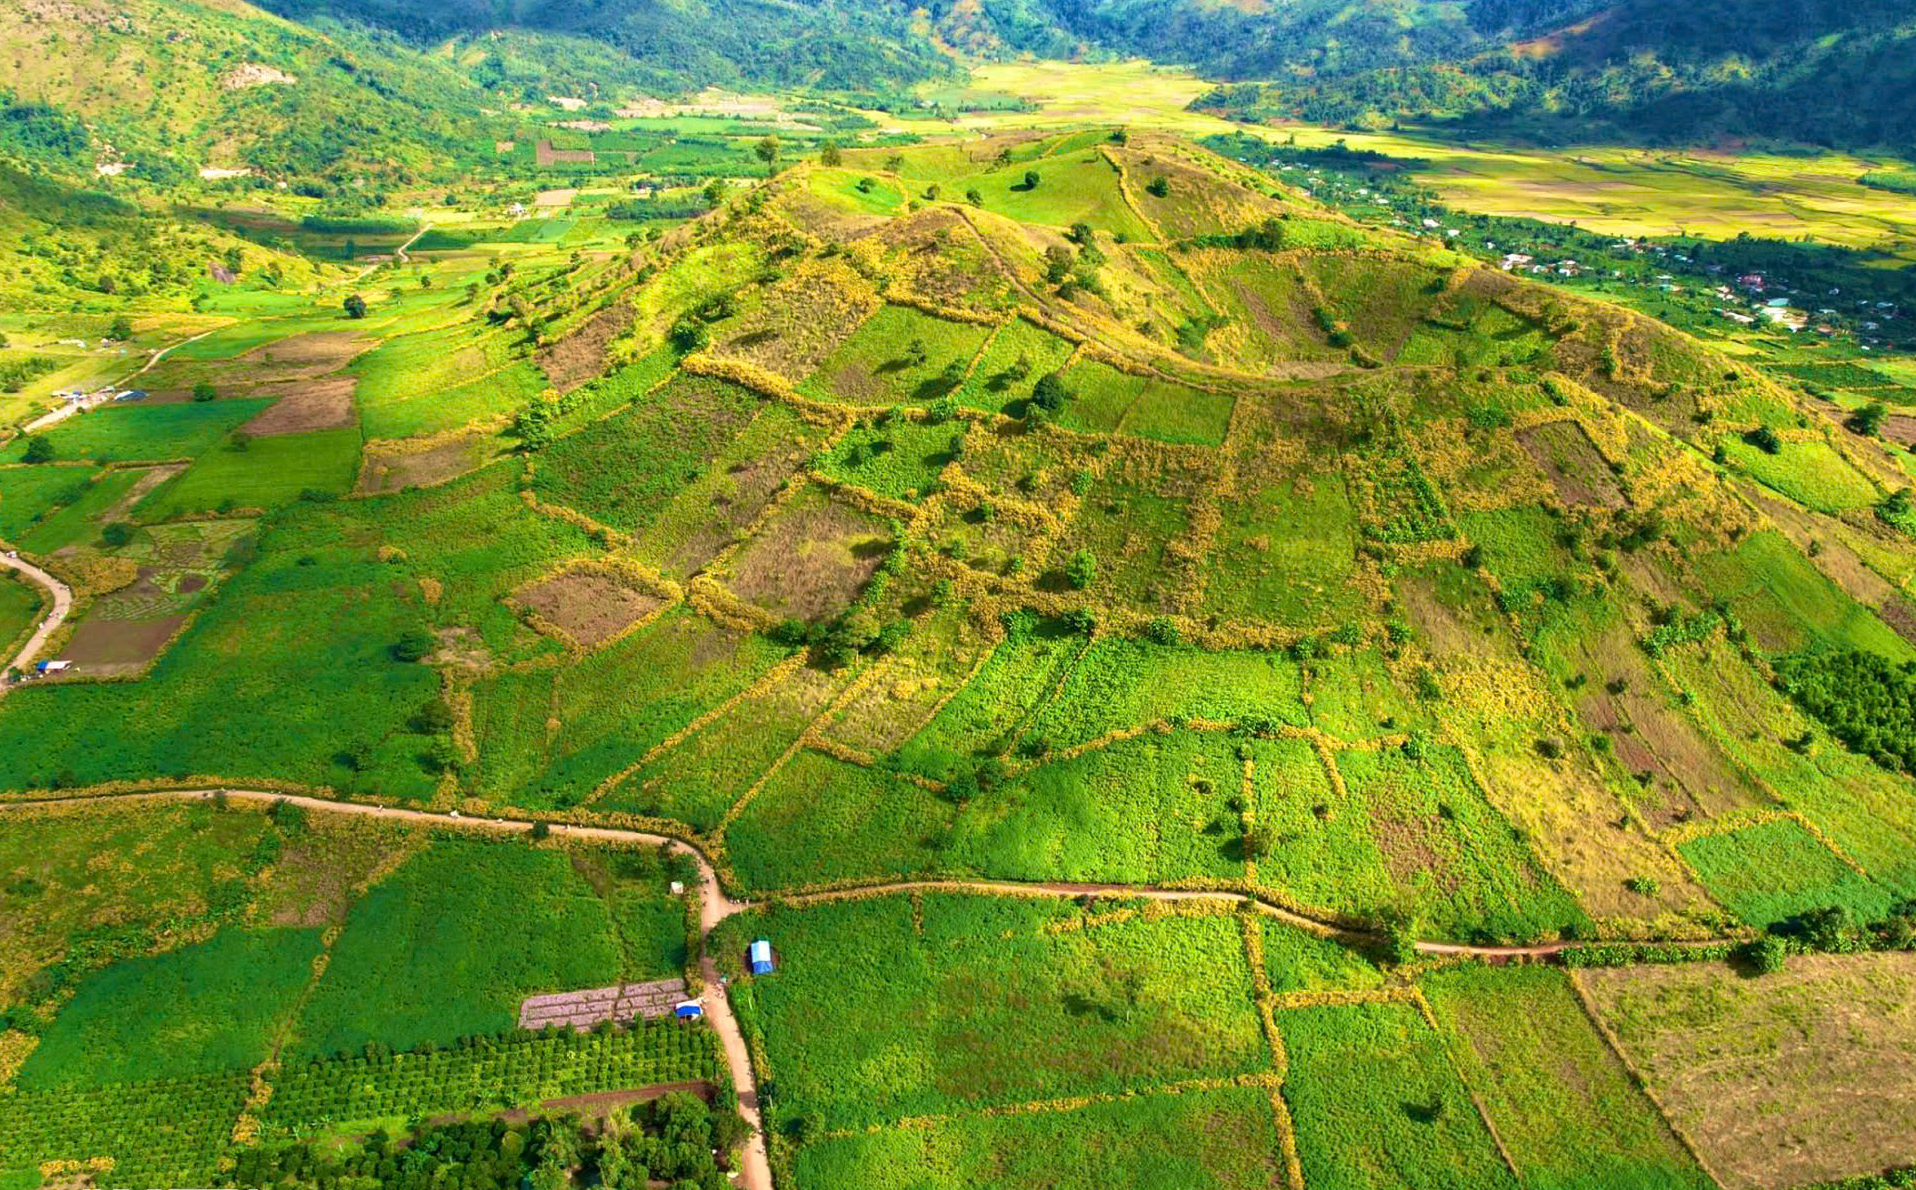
813 731
1750 818
1615 1043
771 677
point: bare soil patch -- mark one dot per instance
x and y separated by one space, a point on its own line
580 356
547 155
1574 466
1900 428
1782 1080
321 404
110 648
315 353
589 607
810 562
391 466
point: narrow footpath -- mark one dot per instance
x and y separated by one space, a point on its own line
716 906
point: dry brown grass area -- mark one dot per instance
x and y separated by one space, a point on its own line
1780 1080
804 317
1572 463
581 355
391 466
811 561
590 608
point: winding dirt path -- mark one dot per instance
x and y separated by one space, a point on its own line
716 905
66 411
62 604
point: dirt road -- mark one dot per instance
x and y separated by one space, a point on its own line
62 604
716 906
66 411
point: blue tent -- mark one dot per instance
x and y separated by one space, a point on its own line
688 1010
761 957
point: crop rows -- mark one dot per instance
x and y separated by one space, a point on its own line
494 1073
164 1132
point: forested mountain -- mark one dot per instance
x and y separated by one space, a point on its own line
1821 71
686 43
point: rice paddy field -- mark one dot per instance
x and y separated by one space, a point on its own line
1184 708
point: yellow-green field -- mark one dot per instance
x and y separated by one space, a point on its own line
1602 188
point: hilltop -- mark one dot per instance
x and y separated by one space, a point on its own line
1072 593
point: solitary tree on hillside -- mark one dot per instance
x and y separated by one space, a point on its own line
122 328
204 391
829 154
1031 179
355 306
767 151
39 450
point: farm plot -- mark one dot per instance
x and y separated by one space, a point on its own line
1286 553
821 821
811 559
622 1002
1324 852
318 609
1816 1052
550 737
1376 1103
1563 1105
1100 397
1272 323
152 432
1786 603
395 466
1206 1140
1125 529
263 473
359 1093
1772 871
1121 685
1019 356
1151 810
20 603
988 714
1079 186
63 870
1863 809
589 606
1172 412
1449 852
801 318
886 1008
897 356
624 470
29 496
894 457
200 1009
178 567
1810 473
165 1133
1383 300
1572 463
700 778
707 514
449 945
438 380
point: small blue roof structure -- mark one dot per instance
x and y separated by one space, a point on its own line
760 956
688 1010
